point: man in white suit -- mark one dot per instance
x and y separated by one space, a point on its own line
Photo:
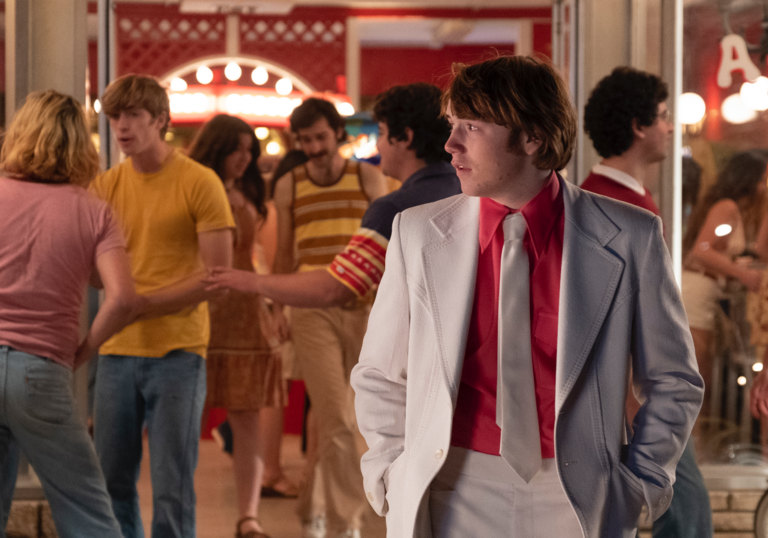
492 379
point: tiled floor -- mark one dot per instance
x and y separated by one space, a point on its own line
216 505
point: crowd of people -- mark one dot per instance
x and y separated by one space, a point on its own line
529 366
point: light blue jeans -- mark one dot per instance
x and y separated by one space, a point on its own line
37 409
9 456
166 394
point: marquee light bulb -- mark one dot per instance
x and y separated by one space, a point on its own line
735 111
273 148
755 94
178 85
233 71
204 75
692 108
260 76
345 109
284 86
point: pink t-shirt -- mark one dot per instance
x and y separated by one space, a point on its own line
50 237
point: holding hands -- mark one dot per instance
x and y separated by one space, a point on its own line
225 278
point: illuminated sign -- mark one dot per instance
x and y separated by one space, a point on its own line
254 105
734 56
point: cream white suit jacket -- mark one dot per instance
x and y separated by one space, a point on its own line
619 309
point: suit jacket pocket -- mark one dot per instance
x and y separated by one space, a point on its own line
389 474
632 480
628 498
393 489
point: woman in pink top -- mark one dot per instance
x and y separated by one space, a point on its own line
53 234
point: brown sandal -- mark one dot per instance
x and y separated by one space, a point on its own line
251 533
281 488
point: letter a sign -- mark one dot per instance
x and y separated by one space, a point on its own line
735 57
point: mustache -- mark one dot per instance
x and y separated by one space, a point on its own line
318 154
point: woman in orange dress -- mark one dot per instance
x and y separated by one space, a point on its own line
244 368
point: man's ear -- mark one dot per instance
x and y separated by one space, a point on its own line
408 137
637 129
531 143
163 119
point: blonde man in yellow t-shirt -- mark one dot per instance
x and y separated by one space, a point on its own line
177 222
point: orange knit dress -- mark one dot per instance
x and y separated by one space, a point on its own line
244 367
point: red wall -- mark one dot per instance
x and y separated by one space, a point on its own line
152 52
382 68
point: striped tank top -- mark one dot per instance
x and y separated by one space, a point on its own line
326 217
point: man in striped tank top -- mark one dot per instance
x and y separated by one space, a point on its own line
319 207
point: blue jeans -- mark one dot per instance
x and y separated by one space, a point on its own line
37 409
166 394
689 515
9 468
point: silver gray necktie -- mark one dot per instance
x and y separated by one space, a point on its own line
516 412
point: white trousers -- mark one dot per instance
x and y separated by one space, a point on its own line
476 494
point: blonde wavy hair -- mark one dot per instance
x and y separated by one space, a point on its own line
49 141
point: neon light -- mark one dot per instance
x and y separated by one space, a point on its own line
255 105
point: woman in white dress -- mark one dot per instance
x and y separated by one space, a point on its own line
714 240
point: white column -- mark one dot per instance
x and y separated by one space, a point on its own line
107 68
17 55
671 183
524 44
603 43
353 62
50 35
46 48
639 36
233 34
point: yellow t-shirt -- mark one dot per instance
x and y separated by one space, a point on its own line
160 215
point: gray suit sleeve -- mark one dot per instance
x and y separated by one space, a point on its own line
665 376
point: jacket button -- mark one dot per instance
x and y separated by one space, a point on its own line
370 496
439 454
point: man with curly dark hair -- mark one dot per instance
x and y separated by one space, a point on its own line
630 126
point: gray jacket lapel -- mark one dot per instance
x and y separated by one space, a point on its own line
450 268
589 276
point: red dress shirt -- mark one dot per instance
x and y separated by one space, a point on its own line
474 420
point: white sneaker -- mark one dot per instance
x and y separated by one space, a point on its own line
350 533
314 528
